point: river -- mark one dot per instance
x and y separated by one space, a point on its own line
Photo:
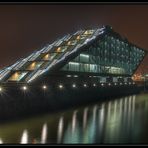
118 121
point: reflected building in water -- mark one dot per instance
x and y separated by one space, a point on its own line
114 121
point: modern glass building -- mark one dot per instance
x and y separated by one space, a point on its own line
96 52
84 67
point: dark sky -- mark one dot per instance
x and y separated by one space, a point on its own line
24 28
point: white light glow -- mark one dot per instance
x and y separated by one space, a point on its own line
24 138
44 87
68 76
85 114
24 88
85 85
74 121
60 129
94 85
75 76
74 85
44 134
60 86
1 89
1 141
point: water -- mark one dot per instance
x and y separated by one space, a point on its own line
119 121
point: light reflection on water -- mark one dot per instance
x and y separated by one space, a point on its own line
44 134
60 129
122 120
24 138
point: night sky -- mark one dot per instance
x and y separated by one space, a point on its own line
25 28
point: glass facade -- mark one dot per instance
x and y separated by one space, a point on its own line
108 55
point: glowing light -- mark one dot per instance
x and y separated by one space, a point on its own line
115 83
60 86
17 76
60 129
68 76
74 121
46 57
44 134
74 85
109 84
94 85
32 66
85 114
1 89
24 88
75 76
44 87
24 139
69 43
85 85
102 84
78 37
58 49
1 141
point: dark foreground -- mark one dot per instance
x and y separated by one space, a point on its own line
16 103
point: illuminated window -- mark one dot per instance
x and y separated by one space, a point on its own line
89 32
58 49
34 65
84 58
61 49
46 57
73 66
72 42
116 70
86 67
78 37
69 43
93 68
17 76
49 56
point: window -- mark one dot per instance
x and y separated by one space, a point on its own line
17 76
61 49
89 32
73 66
49 56
34 65
93 68
86 67
84 58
